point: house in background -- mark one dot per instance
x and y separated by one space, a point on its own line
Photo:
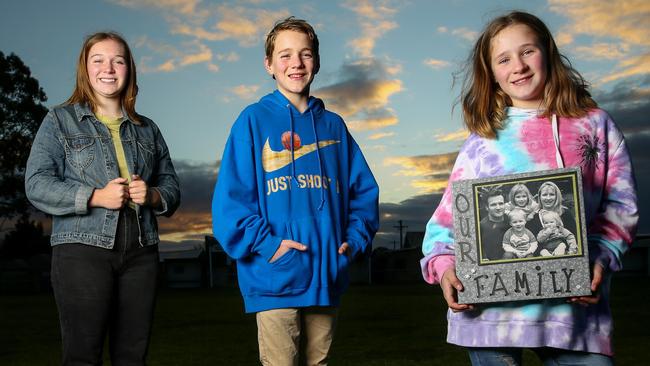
222 270
182 265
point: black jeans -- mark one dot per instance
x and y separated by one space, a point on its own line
100 291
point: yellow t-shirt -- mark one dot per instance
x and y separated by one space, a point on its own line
113 125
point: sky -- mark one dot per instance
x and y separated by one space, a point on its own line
387 67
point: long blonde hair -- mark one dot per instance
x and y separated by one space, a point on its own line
83 91
484 102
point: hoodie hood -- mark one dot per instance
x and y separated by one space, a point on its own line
278 100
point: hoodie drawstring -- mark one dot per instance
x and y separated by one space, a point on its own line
556 139
293 161
320 162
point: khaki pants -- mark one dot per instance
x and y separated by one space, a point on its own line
295 336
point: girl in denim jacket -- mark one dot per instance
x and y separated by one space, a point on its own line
103 172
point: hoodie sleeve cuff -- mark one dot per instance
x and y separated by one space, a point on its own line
604 257
355 248
433 267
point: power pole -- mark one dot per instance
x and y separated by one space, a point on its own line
401 226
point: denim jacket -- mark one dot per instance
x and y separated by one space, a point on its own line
73 154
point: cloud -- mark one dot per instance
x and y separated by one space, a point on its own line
203 55
436 64
627 20
432 170
229 57
619 30
459 135
245 25
414 213
372 123
190 53
185 7
609 51
192 219
633 66
628 103
204 22
464 33
374 21
362 94
245 92
380 135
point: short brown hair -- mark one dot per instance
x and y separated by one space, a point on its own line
83 92
293 24
483 101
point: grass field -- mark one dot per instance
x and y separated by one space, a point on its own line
379 325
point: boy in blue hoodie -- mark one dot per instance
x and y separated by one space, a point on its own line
295 202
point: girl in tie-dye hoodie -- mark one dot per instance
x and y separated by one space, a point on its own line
528 110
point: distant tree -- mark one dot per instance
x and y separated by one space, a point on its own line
26 240
21 113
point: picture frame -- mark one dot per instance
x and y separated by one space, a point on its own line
521 237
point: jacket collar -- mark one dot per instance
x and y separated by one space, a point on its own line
83 110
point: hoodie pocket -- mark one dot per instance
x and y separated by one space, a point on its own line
291 273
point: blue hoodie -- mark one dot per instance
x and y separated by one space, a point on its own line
299 176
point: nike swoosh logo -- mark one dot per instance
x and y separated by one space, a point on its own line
274 160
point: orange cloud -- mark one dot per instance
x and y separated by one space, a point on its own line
373 19
623 25
630 67
626 20
245 92
204 55
459 135
436 64
462 32
185 225
193 52
433 170
381 135
608 51
372 123
362 95
185 7
245 25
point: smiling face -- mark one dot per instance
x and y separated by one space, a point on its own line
496 207
547 197
521 199
518 221
107 70
293 65
549 222
519 65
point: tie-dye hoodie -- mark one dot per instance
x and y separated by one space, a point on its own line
526 144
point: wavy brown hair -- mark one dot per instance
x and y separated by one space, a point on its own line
484 102
83 91
297 25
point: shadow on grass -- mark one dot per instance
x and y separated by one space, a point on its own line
378 325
